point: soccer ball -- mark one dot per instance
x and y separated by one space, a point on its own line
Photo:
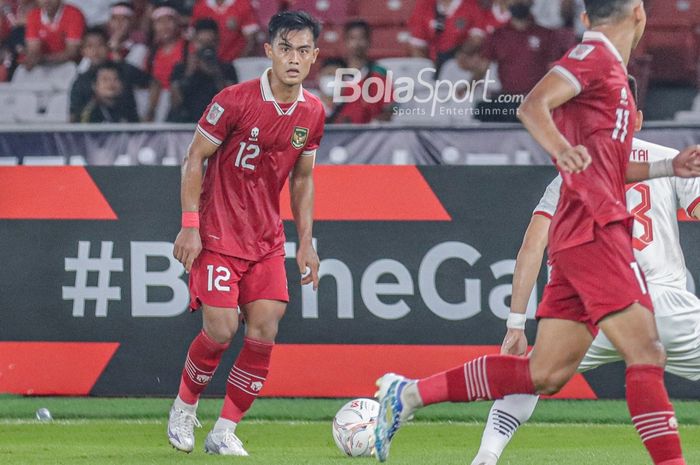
353 427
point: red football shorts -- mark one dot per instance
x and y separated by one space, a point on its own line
593 280
227 282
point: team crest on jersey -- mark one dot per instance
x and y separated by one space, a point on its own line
215 113
581 52
299 137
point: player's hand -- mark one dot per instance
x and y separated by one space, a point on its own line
574 159
308 262
687 163
188 245
515 342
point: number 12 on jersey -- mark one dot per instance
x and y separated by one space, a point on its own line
246 153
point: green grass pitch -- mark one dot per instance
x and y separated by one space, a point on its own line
297 431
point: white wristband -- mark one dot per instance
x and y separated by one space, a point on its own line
661 169
516 321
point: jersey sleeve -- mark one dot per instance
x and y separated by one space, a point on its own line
221 116
315 139
75 26
688 193
249 22
581 66
419 24
33 24
548 204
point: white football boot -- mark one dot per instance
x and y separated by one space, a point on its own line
392 411
485 457
181 425
224 442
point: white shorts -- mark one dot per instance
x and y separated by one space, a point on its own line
679 333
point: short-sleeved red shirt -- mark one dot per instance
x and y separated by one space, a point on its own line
601 118
235 18
524 56
164 61
259 143
462 18
67 26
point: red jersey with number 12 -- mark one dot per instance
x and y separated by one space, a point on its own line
260 141
602 119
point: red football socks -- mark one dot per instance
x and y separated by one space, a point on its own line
202 359
652 414
489 377
246 379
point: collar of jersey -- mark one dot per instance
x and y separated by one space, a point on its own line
224 6
267 96
600 37
56 19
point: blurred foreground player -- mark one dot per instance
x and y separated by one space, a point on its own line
595 280
657 248
254 135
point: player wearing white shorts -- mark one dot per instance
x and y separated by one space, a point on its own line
657 248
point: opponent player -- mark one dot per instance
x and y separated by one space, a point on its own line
657 249
595 281
253 135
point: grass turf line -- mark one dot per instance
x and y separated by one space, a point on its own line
548 411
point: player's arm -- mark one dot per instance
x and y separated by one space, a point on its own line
527 268
301 190
188 243
684 165
553 91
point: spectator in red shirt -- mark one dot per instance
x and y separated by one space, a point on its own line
123 43
523 50
169 46
355 112
439 27
237 23
358 40
53 35
495 14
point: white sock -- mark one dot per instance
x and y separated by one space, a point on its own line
181 404
410 396
505 418
223 423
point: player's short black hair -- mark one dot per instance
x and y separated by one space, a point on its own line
334 61
206 24
604 10
96 31
282 23
358 24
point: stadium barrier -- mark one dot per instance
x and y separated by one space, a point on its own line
416 277
485 144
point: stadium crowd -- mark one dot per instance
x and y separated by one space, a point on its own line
155 60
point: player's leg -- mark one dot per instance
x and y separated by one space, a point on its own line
263 298
633 332
509 413
679 330
218 300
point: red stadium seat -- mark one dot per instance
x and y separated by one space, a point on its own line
331 41
672 13
674 52
326 11
385 12
389 41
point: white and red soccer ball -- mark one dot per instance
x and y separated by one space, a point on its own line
353 427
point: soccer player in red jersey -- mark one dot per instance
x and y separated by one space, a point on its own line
595 281
253 136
